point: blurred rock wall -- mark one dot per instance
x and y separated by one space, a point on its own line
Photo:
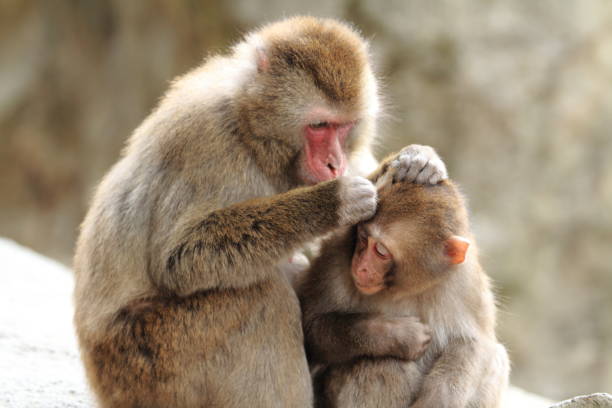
515 95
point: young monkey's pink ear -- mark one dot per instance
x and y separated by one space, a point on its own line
263 62
456 248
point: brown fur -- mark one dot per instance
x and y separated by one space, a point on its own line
354 343
340 82
300 51
179 302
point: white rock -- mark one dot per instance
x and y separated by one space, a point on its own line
600 400
518 398
39 361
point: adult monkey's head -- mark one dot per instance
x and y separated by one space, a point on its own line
312 102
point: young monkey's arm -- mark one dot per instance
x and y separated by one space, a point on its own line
335 337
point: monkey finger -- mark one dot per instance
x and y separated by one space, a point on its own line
418 163
425 174
439 174
390 174
439 164
400 174
435 179
404 162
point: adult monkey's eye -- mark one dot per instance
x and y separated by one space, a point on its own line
319 125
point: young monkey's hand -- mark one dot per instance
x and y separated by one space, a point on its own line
415 163
405 337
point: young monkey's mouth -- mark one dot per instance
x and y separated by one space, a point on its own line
369 289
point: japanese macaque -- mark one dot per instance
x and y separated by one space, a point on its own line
397 310
179 297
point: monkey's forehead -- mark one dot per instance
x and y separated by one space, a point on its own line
302 28
438 209
331 53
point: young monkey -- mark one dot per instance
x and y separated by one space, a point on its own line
397 311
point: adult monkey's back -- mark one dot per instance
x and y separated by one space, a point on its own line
179 302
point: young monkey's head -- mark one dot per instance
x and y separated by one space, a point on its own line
416 237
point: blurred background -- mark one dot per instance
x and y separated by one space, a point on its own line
515 95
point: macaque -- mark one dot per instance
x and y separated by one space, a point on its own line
397 311
180 300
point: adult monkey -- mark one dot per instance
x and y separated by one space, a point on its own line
178 298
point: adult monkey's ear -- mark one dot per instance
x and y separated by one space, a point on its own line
263 62
455 249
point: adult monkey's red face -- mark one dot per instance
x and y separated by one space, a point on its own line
305 102
324 155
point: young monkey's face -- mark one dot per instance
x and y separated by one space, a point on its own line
411 242
372 264
400 257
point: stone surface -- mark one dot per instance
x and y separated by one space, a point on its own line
518 398
600 400
39 361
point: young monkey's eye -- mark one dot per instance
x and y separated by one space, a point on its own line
381 250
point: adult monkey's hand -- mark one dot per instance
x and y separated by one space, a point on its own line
414 163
